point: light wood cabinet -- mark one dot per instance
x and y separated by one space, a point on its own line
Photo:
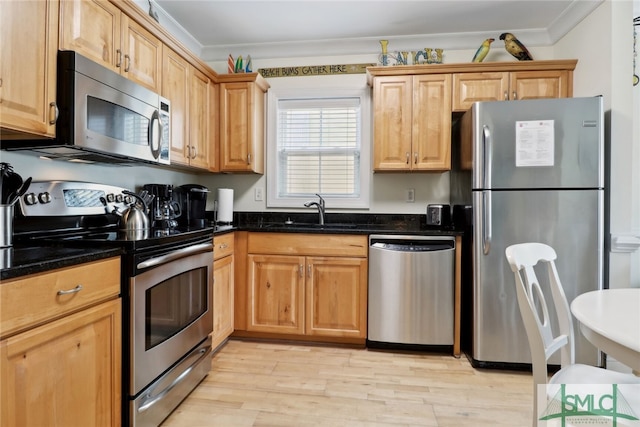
100 31
189 92
223 285
307 285
61 352
242 122
336 305
497 86
28 48
199 137
175 87
412 122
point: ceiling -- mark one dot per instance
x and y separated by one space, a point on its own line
280 29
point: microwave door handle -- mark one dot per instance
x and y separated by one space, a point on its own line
155 134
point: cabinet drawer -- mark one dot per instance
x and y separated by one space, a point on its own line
308 244
222 246
32 300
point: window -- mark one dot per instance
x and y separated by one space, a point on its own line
318 144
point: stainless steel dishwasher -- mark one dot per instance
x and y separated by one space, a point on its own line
411 281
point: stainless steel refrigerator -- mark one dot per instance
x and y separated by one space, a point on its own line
537 175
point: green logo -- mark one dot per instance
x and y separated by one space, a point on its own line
593 404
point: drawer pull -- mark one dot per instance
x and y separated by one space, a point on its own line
71 291
223 246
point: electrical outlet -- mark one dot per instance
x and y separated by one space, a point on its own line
257 195
410 196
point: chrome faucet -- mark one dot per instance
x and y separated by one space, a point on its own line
320 205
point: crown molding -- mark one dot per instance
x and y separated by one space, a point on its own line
573 15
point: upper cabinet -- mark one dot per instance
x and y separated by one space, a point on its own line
412 105
472 87
28 91
412 122
242 122
100 31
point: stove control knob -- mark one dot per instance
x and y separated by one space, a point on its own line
119 198
128 200
110 198
30 199
44 197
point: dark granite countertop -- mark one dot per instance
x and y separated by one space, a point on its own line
336 223
22 260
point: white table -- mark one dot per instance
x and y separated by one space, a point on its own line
610 319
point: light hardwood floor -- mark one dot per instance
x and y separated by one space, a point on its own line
282 384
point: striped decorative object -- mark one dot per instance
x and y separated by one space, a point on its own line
230 64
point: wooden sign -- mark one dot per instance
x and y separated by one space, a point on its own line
314 70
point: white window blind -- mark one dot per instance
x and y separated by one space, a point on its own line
318 147
318 143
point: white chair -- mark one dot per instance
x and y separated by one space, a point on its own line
542 342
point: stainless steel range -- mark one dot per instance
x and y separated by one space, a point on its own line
167 277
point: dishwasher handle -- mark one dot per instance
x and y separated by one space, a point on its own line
413 243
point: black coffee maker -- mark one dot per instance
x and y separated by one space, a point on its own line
164 211
192 199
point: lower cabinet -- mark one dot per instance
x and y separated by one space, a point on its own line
60 348
309 293
223 283
66 372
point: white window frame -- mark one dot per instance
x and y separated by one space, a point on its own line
274 96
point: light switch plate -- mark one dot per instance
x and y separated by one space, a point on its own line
257 195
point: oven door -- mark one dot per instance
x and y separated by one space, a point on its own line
170 311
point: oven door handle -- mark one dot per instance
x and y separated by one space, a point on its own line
172 256
155 399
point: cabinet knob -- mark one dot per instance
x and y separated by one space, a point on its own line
515 95
301 270
506 95
415 158
408 156
119 58
249 158
194 152
127 63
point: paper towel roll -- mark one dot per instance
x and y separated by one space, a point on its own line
225 205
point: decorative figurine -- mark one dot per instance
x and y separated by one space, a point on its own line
383 56
249 65
238 68
482 51
515 48
230 65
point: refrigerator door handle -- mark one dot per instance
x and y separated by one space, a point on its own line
486 222
486 157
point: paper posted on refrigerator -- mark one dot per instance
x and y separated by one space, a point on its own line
534 143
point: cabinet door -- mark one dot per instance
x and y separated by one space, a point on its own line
431 130
65 373
142 58
392 121
92 28
540 84
175 87
337 297
28 48
222 300
235 126
199 119
276 294
473 87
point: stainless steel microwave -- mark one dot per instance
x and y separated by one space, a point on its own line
103 117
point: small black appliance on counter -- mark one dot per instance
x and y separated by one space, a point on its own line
192 199
164 211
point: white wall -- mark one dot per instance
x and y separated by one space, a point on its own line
605 67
